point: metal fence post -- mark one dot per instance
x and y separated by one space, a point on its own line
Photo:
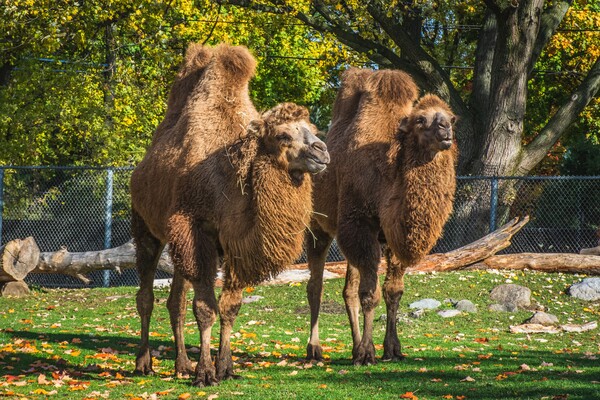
108 220
493 203
1 200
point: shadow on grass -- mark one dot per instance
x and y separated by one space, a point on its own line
432 374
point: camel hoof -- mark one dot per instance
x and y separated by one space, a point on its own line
144 372
206 380
392 352
314 352
364 355
184 368
393 357
231 376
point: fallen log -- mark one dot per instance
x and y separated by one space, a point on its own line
591 251
18 258
546 262
79 264
478 250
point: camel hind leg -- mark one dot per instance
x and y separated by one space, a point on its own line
317 247
176 305
148 250
229 306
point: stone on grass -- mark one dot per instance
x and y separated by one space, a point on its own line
510 293
252 299
542 318
429 304
466 306
418 313
448 313
503 307
587 289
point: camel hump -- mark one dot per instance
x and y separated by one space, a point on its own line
197 57
348 97
235 62
392 86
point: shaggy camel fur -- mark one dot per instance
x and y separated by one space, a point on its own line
391 180
213 183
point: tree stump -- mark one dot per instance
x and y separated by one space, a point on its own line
14 289
18 258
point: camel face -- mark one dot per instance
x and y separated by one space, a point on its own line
431 122
434 129
297 143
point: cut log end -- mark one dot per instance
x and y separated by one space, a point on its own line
14 289
19 257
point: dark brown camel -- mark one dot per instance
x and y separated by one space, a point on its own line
391 180
220 180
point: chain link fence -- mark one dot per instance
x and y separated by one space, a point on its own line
88 209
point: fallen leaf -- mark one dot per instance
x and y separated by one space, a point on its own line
409 395
468 379
184 396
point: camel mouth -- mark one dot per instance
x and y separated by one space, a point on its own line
316 165
445 144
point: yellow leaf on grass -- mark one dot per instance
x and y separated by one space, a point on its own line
184 396
409 395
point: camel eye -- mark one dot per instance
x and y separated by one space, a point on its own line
284 137
420 120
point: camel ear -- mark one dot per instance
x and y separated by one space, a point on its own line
403 127
257 127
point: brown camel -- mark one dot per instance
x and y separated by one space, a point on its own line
391 180
220 180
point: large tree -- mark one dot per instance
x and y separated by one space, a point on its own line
512 37
482 57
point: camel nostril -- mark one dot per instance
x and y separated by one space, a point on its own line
320 146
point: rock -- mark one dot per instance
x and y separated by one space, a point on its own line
466 306
448 313
542 318
587 289
429 304
383 317
251 299
510 293
418 313
503 307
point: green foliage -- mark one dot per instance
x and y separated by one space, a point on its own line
102 102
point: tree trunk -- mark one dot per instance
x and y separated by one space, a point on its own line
19 257
14 289
79 264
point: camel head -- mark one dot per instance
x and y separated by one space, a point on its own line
430 124
289 137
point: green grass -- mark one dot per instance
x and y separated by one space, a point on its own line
88 338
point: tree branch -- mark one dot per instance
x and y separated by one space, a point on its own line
549 22
566 114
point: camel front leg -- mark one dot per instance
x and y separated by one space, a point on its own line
229 306
358 241
393 288
317 248
176 304
352 302
195 257
205 311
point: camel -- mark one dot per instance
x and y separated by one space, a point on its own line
220 181
391 181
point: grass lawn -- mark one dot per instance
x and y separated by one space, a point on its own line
81 344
